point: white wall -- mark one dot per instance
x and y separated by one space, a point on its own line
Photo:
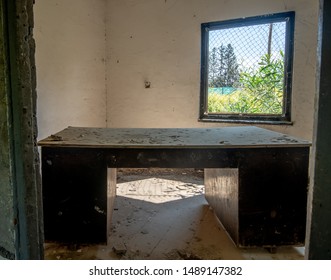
159 41
93 58
70 60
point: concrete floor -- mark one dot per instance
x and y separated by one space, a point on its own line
162 214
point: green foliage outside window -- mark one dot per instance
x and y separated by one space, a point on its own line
260 90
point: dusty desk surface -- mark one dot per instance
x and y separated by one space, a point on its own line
226 137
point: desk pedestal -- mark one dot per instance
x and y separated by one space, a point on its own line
262 203
74 196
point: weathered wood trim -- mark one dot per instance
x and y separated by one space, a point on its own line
7 209
26 171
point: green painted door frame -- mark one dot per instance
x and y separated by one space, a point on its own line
7 209
20 163
319 227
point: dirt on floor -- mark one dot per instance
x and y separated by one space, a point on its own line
162 214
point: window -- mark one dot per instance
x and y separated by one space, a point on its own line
246 69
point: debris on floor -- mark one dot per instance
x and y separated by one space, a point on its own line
119 248
162 214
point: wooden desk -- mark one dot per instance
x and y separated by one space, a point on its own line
255 180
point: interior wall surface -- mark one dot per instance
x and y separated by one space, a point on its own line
158 42
70 59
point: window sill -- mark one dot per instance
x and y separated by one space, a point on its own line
245 121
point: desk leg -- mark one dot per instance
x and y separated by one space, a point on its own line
264 201
111 194
74 195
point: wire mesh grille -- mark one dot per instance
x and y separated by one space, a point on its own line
246 69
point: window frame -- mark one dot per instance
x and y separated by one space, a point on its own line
285 117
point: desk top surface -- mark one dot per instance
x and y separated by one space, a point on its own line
226 137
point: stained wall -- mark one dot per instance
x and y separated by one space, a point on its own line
94 57
70 58
159 42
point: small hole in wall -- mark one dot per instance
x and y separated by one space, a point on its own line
147 84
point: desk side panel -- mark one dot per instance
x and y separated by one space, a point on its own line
221 192
74 195
273 188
